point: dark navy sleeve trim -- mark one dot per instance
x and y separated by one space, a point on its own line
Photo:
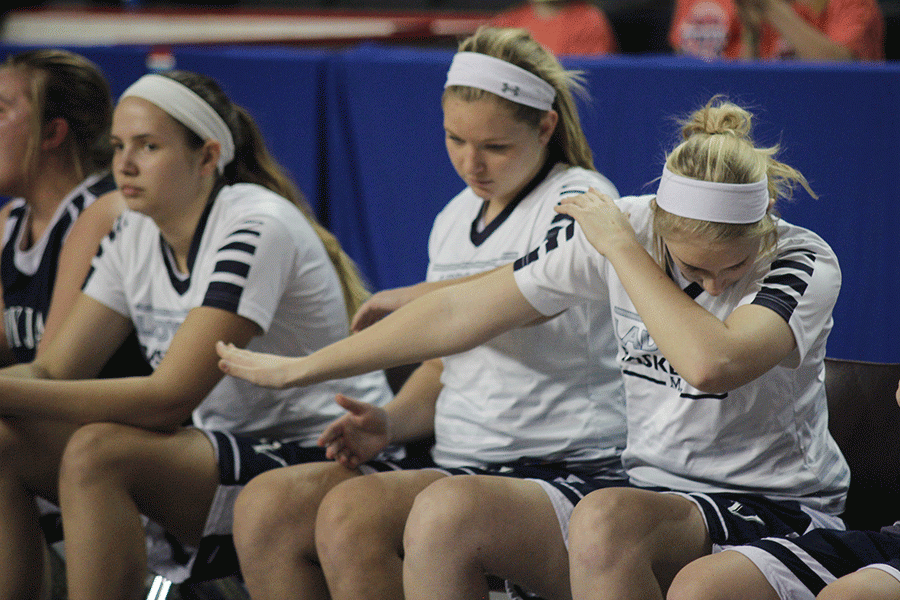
234 267
223 295
229 278
240 247
787 282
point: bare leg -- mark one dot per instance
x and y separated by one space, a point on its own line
29 465
464 527
627 543
867 584
274 527
722 576
110 475
359 533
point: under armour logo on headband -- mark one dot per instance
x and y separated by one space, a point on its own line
502 78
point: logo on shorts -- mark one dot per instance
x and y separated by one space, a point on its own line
266 446
736 509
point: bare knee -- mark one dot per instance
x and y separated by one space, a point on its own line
263 511
281 505
349 522
866 584
599 529
625 528
94 451
722 576
443 516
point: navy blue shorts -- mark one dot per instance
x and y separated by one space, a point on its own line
800 567
574 480
239 459
734 519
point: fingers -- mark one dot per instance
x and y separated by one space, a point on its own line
350 461
336 447
351 405
374 309
230 359
256 367
233 356
332 431
363 318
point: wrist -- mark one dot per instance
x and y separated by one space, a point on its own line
297 372
629 256
623 246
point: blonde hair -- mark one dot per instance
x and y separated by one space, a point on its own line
568 143
65 85
718 146
254 164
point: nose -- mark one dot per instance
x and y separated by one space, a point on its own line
714 285
123 163
472 161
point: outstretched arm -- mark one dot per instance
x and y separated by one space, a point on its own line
710 354
385 302
446 321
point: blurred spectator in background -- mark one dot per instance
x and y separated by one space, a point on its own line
562 26
773 29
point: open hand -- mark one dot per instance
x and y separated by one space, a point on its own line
357 436
605 226
266 370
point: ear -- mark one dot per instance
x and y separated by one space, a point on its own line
548 126
54 133
209 156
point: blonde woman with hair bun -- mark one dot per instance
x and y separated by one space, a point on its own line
729 441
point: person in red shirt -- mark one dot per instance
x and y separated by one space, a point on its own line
563 26
773 29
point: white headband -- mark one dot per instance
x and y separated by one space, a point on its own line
188 108
711 201
505 79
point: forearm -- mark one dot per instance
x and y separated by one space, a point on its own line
810 43
133 401
411 412
446 321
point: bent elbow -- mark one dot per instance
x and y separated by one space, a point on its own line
173 416
711 376
168 412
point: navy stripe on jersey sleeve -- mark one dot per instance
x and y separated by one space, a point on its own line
233 261
786 282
